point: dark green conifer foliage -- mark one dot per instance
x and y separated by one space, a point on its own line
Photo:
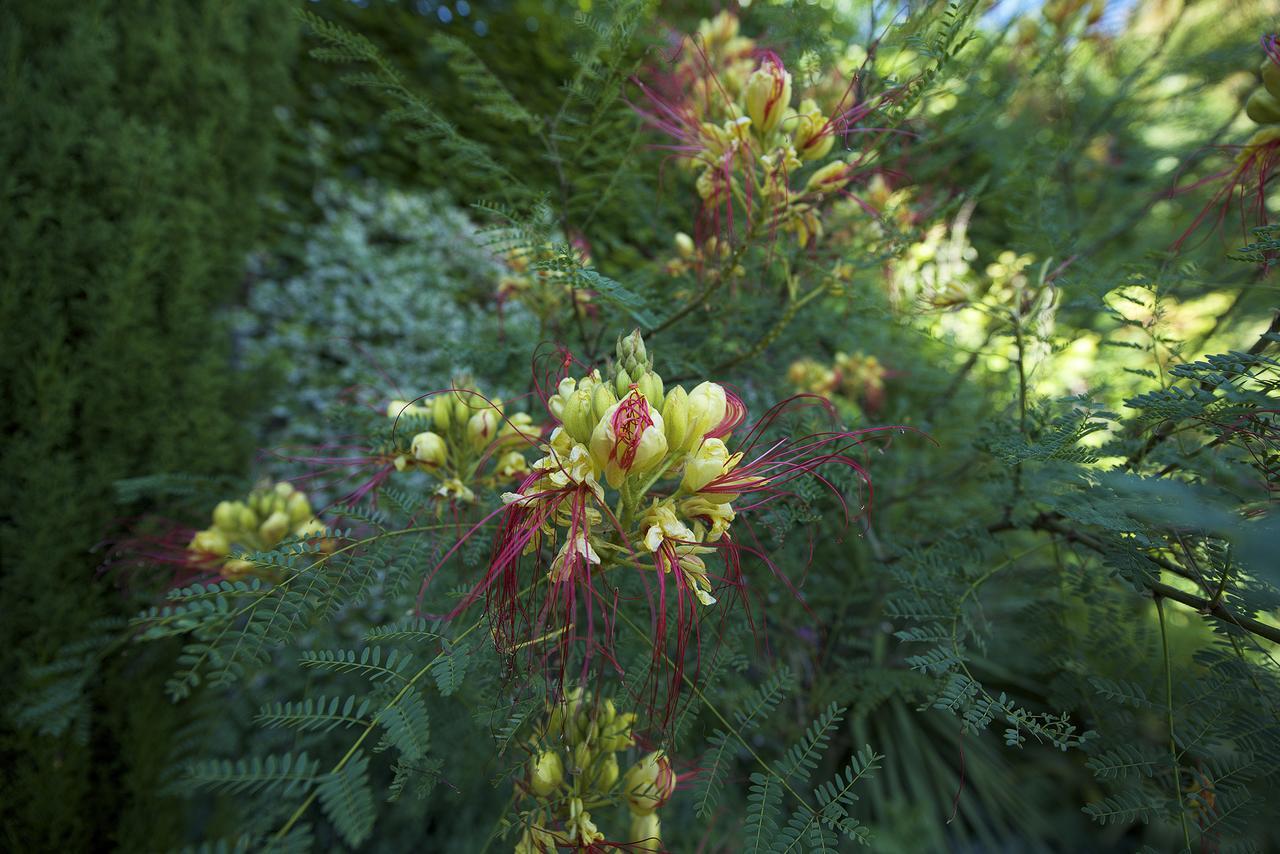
136 140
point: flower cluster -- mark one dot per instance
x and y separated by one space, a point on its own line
737 127
630 433
636 476
574 769
1256 160
457 433
857 377
257 524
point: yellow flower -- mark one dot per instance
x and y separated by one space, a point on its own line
581 827
720 515
694 570
664 524
812 138
709 460
580 545
512 464
457 490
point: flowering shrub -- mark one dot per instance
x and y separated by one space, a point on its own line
636 584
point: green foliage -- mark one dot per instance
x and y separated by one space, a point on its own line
1054 613
137 143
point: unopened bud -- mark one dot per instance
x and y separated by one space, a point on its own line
212 542
829 178
602 399
298 508
646 832
685 246
1263 107
675 417
273 530
442 412
578 415
708 405
482 426
606 773
226 516
649 783
546 773
622 382
429 449
768 95
1271 76
706 463
650 385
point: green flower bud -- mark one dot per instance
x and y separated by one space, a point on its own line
650 385
578 416
298 508
442 412
649 783
226 516
685 246
606 773
675 417
616 734
582 756
429 449
646 833
632 355
1263 107
283 489
482 427
211 541
273 530
768 95
622 382
546 773
602 399
829 178
1271 76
